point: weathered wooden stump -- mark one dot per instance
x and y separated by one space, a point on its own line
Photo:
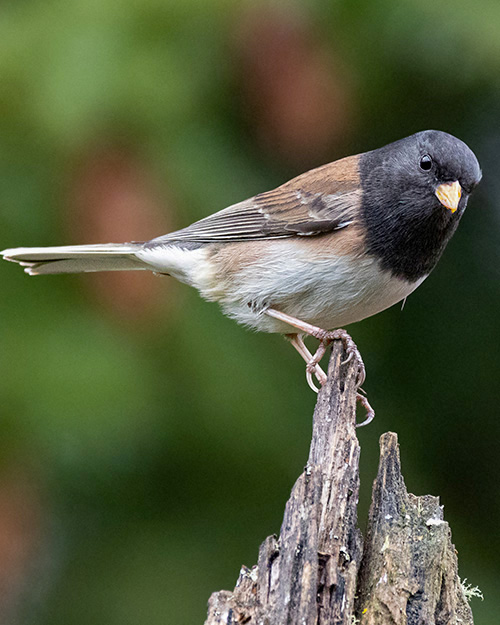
318 572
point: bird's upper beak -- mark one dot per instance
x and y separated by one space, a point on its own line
449 194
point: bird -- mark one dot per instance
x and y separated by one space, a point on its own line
328 248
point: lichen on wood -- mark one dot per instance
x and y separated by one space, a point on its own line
409 571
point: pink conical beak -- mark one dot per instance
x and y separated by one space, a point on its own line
449 194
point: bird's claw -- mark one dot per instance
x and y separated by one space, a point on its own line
310 381
348 359
313 367
370 413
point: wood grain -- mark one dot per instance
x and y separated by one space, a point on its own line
317 571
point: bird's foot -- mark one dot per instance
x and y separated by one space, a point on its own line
326 337
352 352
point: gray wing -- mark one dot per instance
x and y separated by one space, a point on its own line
296 208
261 217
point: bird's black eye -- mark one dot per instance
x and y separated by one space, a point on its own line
425 162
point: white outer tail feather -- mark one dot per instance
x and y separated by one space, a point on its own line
77 258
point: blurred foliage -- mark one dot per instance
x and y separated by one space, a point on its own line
148 444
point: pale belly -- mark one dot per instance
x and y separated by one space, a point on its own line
329 292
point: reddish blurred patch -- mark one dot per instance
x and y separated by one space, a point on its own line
297 92
114 199
20 537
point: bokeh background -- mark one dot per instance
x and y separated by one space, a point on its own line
148 444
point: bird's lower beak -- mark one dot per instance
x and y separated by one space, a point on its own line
449 194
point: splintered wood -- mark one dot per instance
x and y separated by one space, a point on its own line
317 572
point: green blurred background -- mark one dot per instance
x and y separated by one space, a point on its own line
148 444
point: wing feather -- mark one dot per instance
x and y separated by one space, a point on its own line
323 200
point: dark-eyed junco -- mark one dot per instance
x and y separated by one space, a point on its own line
328 248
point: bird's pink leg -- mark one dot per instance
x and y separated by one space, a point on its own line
325 337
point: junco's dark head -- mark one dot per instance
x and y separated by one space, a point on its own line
414 192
